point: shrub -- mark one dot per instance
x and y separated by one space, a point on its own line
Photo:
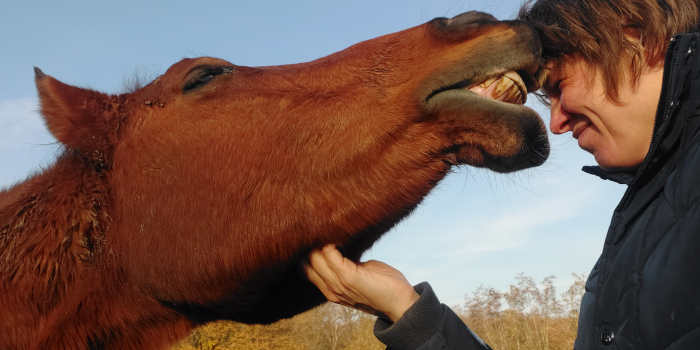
527 316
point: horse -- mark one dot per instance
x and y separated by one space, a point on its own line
196 197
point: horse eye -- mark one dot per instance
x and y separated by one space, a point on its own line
201 75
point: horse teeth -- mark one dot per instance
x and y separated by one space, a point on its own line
488 82
506 90
508 87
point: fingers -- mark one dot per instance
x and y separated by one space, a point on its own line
320 274
342 268
372 286
317 280
330 272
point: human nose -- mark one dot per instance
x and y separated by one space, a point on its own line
559 120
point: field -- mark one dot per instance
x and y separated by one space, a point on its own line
527 316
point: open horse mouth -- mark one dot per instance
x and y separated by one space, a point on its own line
490 125
509 87
477 96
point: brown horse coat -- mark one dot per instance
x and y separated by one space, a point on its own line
196 197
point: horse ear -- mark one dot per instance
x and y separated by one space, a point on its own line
75 116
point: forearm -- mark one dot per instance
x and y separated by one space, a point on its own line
427 325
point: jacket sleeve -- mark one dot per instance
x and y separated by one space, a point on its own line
427 325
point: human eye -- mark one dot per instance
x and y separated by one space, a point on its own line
549 90
552 87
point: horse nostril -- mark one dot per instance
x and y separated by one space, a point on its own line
536 144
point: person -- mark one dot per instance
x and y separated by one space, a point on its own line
625 81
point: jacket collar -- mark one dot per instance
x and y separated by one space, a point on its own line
681 60
621 176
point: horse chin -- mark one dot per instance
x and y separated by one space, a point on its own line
497 135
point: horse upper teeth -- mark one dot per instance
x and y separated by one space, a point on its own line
508 87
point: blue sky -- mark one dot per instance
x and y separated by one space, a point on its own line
476 228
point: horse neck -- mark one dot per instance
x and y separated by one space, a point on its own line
58 215
58 285
51 231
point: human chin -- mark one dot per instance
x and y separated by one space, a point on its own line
603 161
586 139
608 159
605 153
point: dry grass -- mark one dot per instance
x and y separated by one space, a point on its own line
527 316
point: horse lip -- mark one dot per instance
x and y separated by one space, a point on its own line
456 104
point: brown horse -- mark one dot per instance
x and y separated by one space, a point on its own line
196 197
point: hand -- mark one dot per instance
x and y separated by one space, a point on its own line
372 286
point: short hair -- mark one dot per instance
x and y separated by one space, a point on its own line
594 30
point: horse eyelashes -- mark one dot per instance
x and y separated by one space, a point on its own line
201 75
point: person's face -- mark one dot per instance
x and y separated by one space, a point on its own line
618 134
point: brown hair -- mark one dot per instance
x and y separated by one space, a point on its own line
604 33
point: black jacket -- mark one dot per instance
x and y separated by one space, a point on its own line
644 291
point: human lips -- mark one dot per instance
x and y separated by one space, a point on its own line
579 133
